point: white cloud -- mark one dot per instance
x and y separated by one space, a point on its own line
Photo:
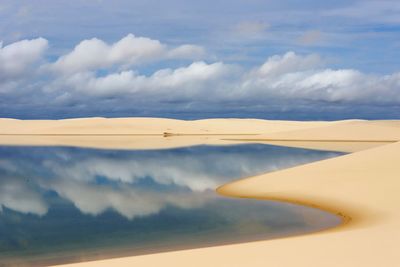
17 58
288 63
301 77
131 50
182 81
187 51
293 77
289 76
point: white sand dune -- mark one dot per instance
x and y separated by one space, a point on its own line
363 187
137 133
155 126
148 133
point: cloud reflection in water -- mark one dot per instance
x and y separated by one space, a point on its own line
133 183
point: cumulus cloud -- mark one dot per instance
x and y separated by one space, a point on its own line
288 63
302 77
17 58
130 50
184 81
187 51
95 71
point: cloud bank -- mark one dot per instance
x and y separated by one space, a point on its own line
96 54
124 73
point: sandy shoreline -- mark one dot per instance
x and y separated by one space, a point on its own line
362 186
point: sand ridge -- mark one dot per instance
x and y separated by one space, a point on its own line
149 133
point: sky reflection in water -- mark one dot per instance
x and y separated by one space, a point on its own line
63 204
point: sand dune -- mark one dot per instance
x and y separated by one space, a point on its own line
148 133
148 126
369 131
363 187
347 136
137 133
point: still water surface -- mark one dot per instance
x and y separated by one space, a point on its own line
63 204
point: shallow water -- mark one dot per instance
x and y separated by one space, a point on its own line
63 204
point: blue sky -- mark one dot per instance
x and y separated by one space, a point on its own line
194 59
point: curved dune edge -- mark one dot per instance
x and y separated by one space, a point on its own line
364 185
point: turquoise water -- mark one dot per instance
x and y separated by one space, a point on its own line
64 204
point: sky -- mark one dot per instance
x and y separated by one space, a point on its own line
287 59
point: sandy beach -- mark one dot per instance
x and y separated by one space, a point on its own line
362 186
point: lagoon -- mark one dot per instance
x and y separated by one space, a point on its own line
68 204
